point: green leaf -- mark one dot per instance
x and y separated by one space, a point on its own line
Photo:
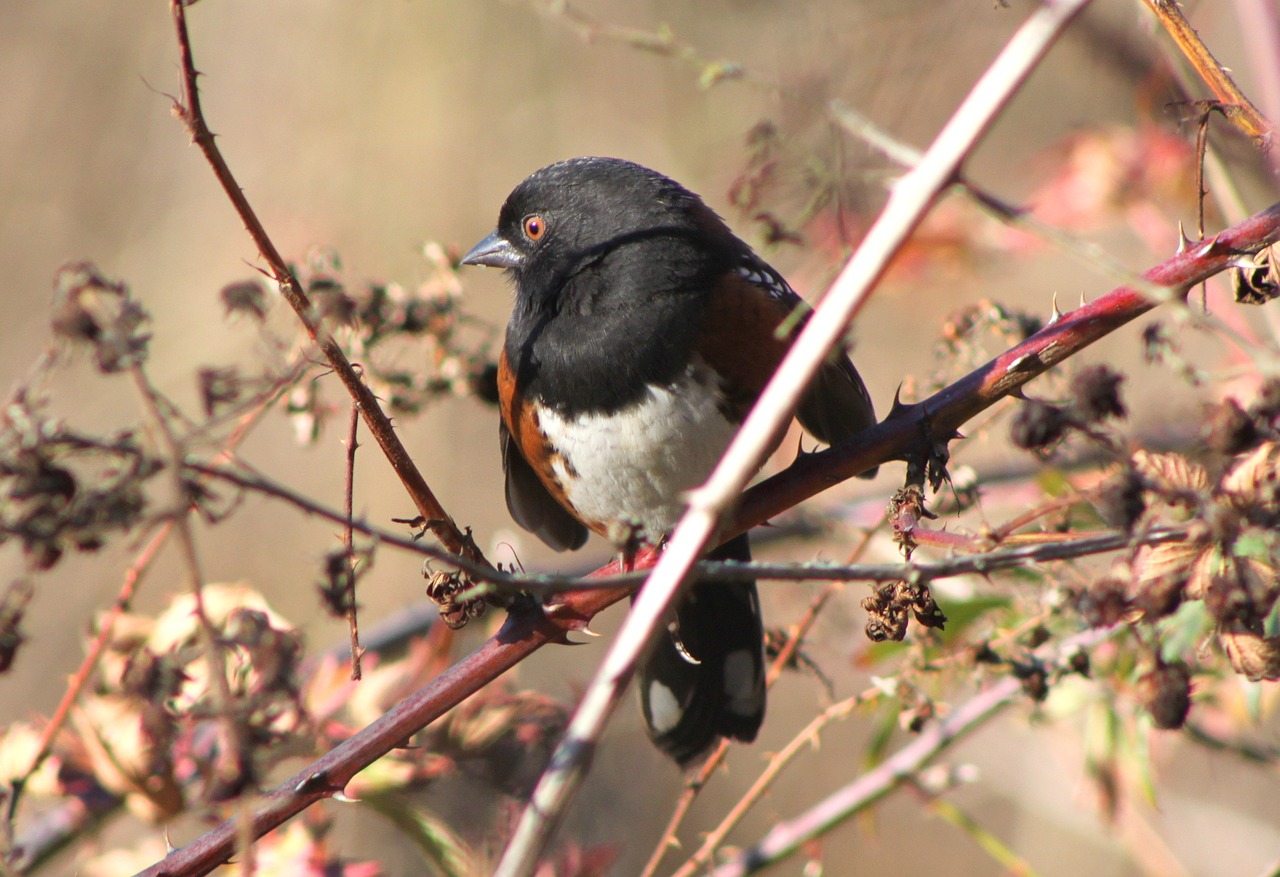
438 844
1253 545
964 613
1182 632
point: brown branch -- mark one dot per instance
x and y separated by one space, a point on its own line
189 112
1236 107
909 431
348 542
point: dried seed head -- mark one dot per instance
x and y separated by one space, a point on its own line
1037 426
1165 691
1095 394
1230 430
1122 500
244 297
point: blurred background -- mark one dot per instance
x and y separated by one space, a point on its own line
371 128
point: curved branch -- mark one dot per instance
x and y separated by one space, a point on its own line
188 110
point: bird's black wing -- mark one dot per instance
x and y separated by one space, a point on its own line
836 406
532 505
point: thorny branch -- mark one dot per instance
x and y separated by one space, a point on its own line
429 508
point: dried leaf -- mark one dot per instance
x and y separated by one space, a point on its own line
1171 473
1253 656
1258 284
1169 561
1255 478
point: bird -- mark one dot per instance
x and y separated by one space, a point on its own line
642 331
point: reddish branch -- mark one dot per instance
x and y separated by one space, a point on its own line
913 432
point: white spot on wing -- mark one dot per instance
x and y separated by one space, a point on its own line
664 709
761 275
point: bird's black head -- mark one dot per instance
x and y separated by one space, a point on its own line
568 215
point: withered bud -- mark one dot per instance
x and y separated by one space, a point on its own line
1165 692
218 387
1266 408
1103 604
331 301
89 308
1036 426
1034 679
1121 501
1252 655
336 586
1095 394
484 382
1156 343
245 297
12 610
1230 430
1161 595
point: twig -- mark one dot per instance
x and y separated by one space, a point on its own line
784 838
807 737
348 543
795 637
1236 107
909 201
189 112
233 769
1058 547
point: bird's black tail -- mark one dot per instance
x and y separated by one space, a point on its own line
704 678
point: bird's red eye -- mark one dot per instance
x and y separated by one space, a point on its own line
534 226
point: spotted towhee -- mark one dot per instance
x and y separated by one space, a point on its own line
643 331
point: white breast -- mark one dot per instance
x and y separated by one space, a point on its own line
630 469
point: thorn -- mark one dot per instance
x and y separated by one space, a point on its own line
1184 242
1025 362
310 783
1083 301
1245 263
342 797
1211 246
1054 314
898 404
956 436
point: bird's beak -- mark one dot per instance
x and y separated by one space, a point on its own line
494 251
